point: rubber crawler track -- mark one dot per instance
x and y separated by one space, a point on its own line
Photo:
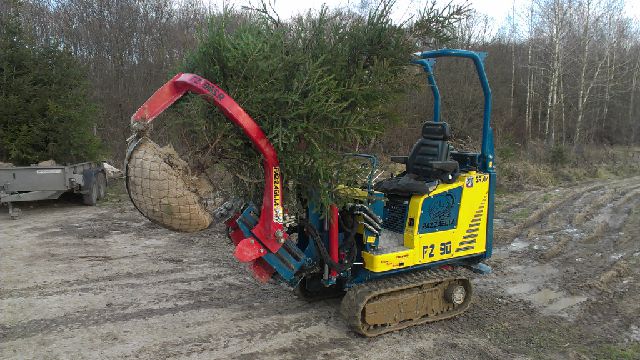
357 298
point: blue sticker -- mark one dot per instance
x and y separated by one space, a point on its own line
440 212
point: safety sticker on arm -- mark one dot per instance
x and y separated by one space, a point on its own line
278 213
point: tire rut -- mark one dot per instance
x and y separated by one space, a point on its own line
574 196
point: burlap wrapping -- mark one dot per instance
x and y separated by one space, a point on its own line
161 187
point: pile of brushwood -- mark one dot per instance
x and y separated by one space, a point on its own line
320 85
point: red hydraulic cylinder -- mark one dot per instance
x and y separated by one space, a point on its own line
333 237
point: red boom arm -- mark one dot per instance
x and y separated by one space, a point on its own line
269 229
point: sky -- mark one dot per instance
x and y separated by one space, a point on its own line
497 9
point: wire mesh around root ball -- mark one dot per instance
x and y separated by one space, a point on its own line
162 188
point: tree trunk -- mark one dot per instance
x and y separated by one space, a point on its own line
529 108
632 96
552 97
527 115
513 59
581 82
611 63
562 111
539 116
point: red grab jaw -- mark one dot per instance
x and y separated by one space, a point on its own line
267 232
248 250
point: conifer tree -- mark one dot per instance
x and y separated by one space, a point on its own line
319 85
45 110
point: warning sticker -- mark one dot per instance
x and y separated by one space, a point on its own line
49 171
278 215
469 182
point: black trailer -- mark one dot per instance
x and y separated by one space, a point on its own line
32 183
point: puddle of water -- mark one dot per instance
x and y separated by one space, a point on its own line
544 297
554 302
518 245
634 332
616 256
500 253
537 273
521 288
566 302
153 242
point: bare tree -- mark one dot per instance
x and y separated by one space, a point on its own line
577 82
530 78
612 29
632 96
590 18
512 31
558 24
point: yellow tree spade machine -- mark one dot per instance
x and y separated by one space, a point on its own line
401 252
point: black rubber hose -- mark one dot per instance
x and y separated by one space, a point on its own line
350 240
365 209
313 233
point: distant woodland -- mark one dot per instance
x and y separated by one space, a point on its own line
564 73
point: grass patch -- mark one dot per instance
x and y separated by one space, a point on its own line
546 197
617 352
538 339
116 192
522 214
536 166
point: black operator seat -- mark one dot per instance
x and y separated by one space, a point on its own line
429 160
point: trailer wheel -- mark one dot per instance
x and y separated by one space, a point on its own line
91 198
101 181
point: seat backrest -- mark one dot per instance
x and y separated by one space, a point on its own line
431 147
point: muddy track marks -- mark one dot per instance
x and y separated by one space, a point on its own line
601 200
550 209
578 254
104 283
572 198
619 269
557 248
613 215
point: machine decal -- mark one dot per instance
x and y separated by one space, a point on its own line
481 178
469 182
445 248
427 250
278 215
440 212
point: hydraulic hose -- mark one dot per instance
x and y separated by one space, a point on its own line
322 249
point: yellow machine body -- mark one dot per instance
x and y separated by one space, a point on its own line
463 231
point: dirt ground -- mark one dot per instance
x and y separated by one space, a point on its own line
103 282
